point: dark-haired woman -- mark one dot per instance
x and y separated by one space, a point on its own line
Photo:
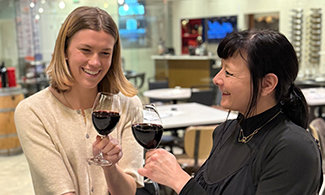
267 149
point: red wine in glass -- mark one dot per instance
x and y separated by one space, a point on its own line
147 135
105 121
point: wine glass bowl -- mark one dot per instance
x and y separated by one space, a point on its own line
104 121
105 116
147 135
147 128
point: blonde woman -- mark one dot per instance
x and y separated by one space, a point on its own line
55 127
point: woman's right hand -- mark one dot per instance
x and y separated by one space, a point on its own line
162 167
110 148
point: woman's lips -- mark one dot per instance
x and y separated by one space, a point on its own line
90 72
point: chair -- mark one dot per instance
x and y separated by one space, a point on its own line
157 84
168 142
197 145
317 129
203 94
130 75
150 188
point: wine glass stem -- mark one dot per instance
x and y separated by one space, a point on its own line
100 155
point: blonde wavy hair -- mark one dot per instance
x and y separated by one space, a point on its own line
95 19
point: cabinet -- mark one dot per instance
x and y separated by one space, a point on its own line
185 71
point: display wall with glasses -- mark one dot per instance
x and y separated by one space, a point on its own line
297 31
314 38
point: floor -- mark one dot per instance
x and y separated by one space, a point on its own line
14 175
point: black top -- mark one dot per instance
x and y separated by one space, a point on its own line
282 158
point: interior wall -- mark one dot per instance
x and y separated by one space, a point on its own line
8 40
139 59
208 8
164 21
53 17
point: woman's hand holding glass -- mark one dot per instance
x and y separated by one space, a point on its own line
105 116
109 147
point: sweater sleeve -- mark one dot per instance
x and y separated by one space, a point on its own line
48 171
192 188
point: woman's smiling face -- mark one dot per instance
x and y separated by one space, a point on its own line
89 56
234 82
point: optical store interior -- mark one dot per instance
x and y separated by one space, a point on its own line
167 44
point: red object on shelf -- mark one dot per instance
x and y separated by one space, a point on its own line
11 77
0 83
189 34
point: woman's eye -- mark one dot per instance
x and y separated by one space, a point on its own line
228 73
85 50
106 53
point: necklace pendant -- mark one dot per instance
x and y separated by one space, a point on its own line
242 138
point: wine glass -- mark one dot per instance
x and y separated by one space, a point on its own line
105 116
147 128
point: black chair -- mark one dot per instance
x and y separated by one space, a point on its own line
169 142
157 84
136 77
204 94
150 188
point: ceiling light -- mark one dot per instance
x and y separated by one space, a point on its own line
32 4
61 5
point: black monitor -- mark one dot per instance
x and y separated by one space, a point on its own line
217 28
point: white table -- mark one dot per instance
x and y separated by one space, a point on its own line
315 98
173 94
188 114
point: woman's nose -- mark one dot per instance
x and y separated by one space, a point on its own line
217 80
94 60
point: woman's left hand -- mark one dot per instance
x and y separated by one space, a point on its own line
110 148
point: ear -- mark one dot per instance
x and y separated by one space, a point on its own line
269 83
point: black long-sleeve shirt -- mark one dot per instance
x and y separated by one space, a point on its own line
282 158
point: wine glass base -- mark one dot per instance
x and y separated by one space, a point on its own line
99 162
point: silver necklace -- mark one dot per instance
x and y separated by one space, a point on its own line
244 139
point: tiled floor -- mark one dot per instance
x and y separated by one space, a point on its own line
15 178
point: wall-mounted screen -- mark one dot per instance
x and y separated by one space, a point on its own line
217 28
133 26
